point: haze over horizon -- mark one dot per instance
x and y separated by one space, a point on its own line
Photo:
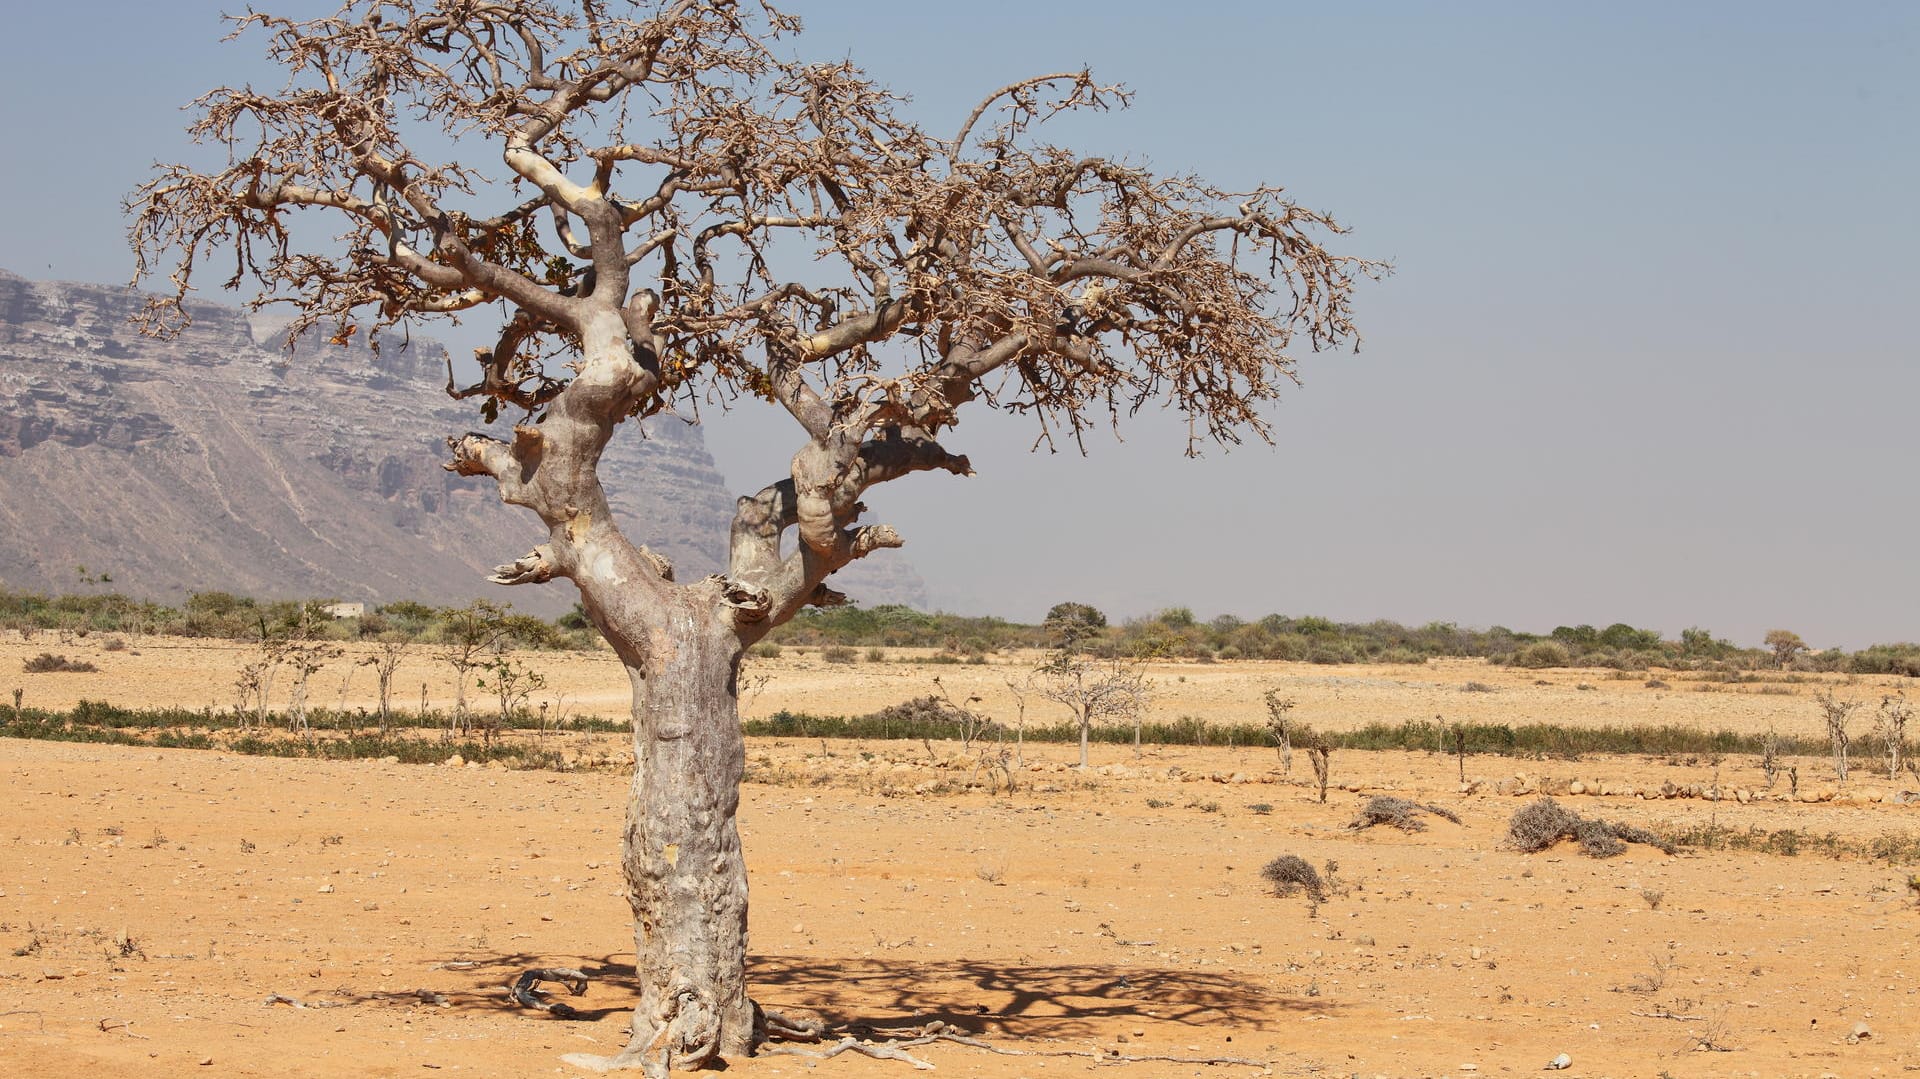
1646 355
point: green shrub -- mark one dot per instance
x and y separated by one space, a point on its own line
1542 654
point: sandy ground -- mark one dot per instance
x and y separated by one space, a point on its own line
151 902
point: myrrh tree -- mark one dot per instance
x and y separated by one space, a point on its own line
680 215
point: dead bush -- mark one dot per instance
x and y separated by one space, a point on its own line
48 663
1291 873
1399 812
1540 824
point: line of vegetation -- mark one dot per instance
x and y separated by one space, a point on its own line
94 721
841 632
1895 847
1530 740
351 737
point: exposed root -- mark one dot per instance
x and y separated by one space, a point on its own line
124 1026
524 990
788 1028
888 1050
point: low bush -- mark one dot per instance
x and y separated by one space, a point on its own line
1542 654
1399 812
1540 824
48 663
1291 873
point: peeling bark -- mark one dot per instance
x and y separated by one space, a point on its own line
686 879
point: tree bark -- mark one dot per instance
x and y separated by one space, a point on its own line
686 879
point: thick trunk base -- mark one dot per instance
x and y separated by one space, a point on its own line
686 878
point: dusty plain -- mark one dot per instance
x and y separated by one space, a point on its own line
160 909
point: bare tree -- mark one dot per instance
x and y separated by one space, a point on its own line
474 634
253 688
973 722
1280 727
391 648
681 216
1095 692
1835 712
511 681
1890 727
1020 687
307 653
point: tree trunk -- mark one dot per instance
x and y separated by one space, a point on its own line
685 876
1086 721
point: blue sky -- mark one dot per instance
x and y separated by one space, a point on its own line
1647 355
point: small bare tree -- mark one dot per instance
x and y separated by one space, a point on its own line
1890 728
1836 713
389 651
1095 692
511 681
306 653
1020 687
474 634
973 722
679 212
1321 755
1279 713
1770 756
253 688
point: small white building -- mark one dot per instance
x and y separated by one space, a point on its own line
345 610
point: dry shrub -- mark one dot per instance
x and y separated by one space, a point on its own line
47 662
928 710
1399 812
1540 824
1291 873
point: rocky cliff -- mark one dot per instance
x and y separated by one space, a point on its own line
211 462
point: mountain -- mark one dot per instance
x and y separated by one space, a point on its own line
210 462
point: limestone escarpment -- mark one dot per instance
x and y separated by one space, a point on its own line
211 462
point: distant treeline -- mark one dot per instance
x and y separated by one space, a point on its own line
224 616
1171 634
1176 634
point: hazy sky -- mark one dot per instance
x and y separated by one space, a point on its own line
1648 354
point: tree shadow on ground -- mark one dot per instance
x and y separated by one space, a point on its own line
1025 1001
862 995
478 982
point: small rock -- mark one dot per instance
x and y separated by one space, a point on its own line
326 889
1559 1063
455 761
1860 1033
